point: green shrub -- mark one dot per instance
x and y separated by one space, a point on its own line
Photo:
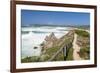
82 33
85 53
70 54
30 59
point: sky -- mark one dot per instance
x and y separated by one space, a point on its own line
54 17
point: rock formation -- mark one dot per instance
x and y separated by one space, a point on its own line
49 41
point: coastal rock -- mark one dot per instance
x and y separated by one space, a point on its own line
49 41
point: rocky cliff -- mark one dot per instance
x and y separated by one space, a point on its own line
49 41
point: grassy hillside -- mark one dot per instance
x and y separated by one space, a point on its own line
84 42
82 33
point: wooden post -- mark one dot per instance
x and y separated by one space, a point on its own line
65 53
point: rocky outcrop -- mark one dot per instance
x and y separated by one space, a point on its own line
49 41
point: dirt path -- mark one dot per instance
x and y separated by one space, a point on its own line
76 49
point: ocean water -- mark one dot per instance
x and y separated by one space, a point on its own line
32 37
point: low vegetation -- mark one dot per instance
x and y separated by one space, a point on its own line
70 54
82 33
85 53
84 42
30 59
51 51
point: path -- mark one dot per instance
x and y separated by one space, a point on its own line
76 49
